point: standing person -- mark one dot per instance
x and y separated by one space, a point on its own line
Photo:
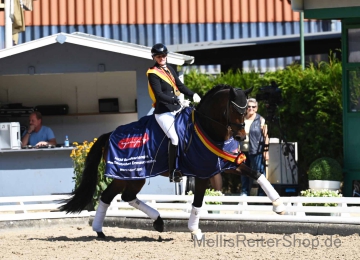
37 134
254 144
164 89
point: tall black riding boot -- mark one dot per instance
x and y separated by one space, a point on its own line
174 176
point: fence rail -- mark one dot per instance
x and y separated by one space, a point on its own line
34 207
179 207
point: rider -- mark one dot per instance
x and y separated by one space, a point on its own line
164 89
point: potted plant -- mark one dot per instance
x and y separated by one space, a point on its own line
325 173
211 192
320 193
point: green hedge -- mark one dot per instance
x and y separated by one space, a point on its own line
325 168
310 114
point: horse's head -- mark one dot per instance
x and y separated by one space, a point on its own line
237 106
222 112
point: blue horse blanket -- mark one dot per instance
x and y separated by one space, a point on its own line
139 150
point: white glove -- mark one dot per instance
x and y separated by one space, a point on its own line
184 103
196 98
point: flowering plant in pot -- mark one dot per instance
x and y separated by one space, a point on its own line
325 173
320 193
211 192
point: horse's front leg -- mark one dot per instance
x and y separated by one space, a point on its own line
193 224
278 205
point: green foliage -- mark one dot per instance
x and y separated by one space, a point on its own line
210 192
320 193
325 169
198 82
310 114
78 155
202 83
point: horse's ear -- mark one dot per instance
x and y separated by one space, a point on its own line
248 91
237 96
233 93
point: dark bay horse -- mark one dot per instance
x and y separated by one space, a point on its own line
217 120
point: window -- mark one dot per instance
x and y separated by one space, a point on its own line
354 90
354 45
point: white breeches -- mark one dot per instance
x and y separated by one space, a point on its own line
166 122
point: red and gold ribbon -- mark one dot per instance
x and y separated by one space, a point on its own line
236 158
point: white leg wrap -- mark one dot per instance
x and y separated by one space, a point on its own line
138 204
193 223
268 188
197 234
100 216
278 205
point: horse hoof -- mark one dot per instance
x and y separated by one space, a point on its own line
101 235
159 224
197 234
279 207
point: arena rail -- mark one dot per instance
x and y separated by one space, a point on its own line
251 208
34 207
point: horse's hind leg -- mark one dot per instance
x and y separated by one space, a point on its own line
129 195
114 188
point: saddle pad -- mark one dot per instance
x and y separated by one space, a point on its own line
140 150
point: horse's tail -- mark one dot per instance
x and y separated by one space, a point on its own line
82 196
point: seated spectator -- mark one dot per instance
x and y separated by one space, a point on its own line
37 134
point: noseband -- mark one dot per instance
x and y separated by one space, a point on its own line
238 109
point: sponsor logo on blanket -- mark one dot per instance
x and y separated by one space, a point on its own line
133 142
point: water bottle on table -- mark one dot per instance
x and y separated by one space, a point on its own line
66 142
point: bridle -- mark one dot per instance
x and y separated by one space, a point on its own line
228 124
238 109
